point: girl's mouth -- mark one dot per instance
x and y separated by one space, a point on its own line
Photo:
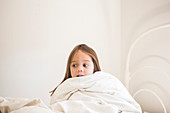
79 75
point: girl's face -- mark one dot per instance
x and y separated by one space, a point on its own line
81 64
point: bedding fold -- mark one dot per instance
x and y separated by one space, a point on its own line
22 105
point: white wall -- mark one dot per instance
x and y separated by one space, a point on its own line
36 37
146 26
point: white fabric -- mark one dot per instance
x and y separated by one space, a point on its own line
22 105
97 93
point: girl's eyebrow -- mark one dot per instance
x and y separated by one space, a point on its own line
73 61
83 60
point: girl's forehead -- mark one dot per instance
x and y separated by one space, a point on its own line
81 55
80 52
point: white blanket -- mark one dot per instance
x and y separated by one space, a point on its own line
97 93
23 105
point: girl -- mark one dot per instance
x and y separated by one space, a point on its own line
97 92
82 61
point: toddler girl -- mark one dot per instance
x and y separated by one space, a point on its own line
82 61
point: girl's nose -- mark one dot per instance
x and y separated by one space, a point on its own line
80 69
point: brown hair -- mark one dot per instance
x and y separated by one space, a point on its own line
83 48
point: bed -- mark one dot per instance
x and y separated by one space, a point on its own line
147 69
100 92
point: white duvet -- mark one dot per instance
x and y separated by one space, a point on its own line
23 105
96 93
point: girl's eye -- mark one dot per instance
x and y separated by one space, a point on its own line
85 65
74 65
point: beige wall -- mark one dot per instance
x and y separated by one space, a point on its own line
145 34
37 36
